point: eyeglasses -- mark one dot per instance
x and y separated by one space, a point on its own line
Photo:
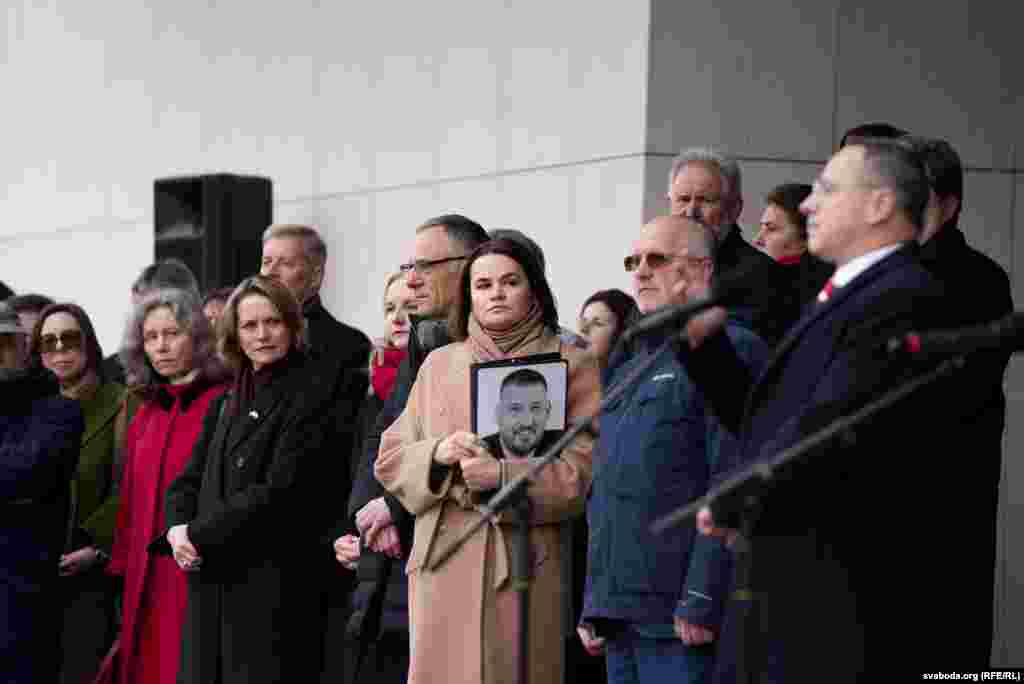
425 265
69 340
655 260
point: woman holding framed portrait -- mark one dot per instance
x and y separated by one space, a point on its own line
464 614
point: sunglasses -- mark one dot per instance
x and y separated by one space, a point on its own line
69 340
655 260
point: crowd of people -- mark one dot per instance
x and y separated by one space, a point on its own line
250 490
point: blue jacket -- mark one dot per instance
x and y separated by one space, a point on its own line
658 449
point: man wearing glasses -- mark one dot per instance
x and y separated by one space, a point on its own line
385 528
40 435
653 603
704 184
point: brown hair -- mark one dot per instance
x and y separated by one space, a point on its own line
458 319
282 299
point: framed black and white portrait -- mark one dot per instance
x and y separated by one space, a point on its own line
519 405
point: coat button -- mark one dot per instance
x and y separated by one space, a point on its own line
240 462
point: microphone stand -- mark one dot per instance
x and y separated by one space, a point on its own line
752 479
510 496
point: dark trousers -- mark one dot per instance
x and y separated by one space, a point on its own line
89 624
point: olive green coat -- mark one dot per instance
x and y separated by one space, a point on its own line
94 489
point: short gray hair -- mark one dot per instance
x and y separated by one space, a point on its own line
312 244
727 168
187 310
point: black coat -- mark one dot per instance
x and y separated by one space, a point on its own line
258 500
977 291
40 436
851 558
329 337
769 297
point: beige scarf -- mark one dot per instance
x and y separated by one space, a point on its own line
525 337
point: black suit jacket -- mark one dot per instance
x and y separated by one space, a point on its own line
850 551
977 291
770 298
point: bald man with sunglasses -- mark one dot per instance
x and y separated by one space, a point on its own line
653 603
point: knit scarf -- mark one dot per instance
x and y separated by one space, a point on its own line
384 370
524 337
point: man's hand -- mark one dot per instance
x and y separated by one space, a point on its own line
185 554
705 325
591 642
373 517
387 542
693 635
706 526
458 446
77 561
481 473
346 550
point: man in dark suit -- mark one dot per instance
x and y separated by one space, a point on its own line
705 184
385 527
977 291
296 256
849 547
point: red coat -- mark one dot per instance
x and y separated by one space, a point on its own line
158 445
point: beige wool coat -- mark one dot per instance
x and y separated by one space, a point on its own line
463 616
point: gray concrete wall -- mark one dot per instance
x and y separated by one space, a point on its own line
777 83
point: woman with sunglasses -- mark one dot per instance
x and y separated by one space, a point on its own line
168 354
65 342
464 615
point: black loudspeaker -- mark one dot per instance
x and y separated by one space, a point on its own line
214 223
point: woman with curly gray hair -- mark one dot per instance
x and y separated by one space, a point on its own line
170 361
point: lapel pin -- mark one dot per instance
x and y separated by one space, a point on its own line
254 415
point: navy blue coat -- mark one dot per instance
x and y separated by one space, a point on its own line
658 449
848 566
40 435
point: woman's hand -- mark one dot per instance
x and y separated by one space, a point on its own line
481 473
346 550
77 561
185 554
459 446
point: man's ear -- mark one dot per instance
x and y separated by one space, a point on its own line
949 205
316 278
735 210
881 205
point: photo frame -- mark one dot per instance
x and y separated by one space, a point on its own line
512 399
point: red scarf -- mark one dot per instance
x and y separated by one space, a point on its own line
384 370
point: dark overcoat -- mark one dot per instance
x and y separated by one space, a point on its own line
258 503
850 562
40 433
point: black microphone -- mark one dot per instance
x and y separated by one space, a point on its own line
1003 334
732 287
